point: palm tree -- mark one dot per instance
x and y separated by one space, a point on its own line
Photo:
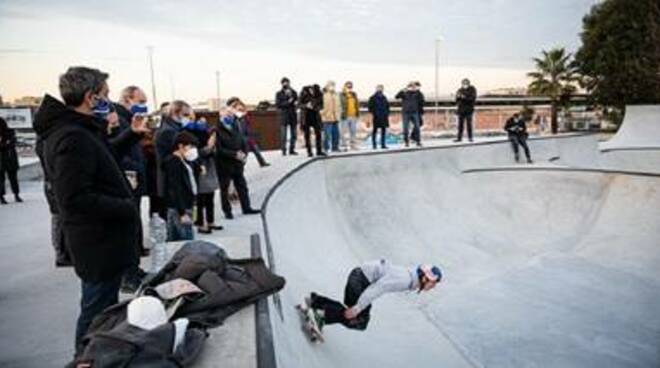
555 78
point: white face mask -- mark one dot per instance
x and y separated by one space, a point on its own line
191 154
239 114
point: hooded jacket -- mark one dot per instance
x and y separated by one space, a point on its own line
99 219
379 107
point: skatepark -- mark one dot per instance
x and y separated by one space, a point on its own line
552 264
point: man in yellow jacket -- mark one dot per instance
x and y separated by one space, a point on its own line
350 112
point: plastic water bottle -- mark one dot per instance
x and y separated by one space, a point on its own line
157 238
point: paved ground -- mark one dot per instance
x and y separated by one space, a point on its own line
544 267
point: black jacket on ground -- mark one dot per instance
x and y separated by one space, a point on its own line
465 99
379 107
229 141
515 126
411 101
99 218
179 194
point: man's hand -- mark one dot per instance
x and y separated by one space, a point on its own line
211 141
139 125
240 156
186 220
350 313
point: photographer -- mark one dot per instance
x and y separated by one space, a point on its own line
286 99
517 131
466 96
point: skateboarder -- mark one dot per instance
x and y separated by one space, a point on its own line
365 284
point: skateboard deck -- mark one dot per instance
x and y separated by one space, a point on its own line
308 324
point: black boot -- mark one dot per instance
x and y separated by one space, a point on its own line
251 211
293 153
18 198
2 200
229 216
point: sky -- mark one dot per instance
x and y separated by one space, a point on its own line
254 43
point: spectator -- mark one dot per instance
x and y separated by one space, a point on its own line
311 103
245 125
99 218
181 187
465 99
415 135
285 99
379 108
207 179
411 101
231 155
8 161
330 114
171 124
517 131
350 111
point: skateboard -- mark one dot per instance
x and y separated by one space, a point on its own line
308 323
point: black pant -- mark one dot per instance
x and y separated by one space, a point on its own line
157 205
356 284
237 177
383 135
464 120
516 140
205 206
95 297
254 148
288 119
13 180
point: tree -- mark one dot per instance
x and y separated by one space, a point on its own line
620 53
554 78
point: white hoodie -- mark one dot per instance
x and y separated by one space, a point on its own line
385 277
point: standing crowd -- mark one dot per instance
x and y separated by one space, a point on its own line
101 157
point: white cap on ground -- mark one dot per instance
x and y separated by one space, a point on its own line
146 312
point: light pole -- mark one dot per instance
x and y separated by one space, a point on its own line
150 50
217 87
437 79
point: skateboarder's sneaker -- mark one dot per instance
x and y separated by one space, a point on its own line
316 317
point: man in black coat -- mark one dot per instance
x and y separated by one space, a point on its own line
285 100
8 161
412 101
379 108
99 218
311 103
466 96
516 129
231 156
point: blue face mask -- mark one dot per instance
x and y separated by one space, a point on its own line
101 107
141 109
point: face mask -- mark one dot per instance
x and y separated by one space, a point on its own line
101 107
191 154
139 109
239 114
185 121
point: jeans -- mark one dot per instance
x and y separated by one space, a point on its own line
95 298
464 120
175 229
288 120
349 127
330 133
415 119
383 135
333 310
516 140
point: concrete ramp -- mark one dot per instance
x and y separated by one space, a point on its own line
550 267
640 129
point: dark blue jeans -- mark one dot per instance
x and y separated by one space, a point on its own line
331 134
411 117
96 297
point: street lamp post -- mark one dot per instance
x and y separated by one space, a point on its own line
150 50
437 79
